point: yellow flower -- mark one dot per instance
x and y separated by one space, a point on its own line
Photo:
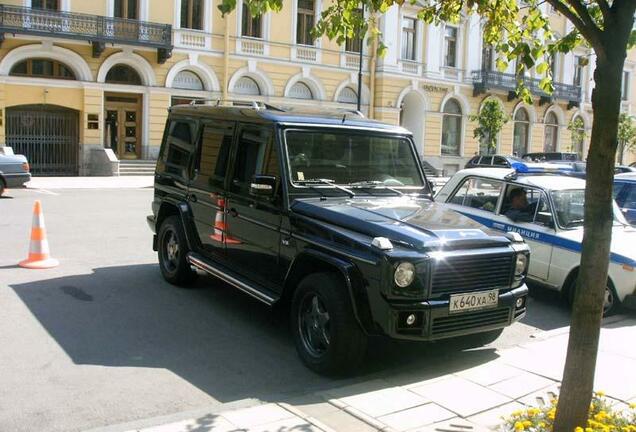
519 426
578 429
600 393
632 405
516 413
527 423
602 415
533 411
541 424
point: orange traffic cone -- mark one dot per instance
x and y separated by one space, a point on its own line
220 227
39 255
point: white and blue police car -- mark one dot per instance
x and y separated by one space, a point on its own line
547 211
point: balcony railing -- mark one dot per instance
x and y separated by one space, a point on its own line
486 79
99 30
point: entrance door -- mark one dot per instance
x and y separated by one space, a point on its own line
47 135
122 131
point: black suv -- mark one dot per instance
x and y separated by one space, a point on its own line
331 216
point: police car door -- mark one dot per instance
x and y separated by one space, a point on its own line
537 233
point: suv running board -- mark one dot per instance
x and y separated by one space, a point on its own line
261 294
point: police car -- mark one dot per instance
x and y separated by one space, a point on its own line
546 209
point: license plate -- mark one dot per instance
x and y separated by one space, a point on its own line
473 301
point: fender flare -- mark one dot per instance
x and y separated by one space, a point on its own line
185 214
351 277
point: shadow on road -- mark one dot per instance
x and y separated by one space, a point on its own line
219 340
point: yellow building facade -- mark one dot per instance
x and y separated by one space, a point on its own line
87 84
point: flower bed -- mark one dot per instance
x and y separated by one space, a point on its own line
603 418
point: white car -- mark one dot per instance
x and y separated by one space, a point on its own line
550 221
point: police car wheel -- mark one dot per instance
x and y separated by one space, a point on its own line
610 301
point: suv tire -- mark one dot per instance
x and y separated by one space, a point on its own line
327 336
172 252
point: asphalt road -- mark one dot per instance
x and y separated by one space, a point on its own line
102 339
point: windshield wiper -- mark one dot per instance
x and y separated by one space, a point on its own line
328 182
375 184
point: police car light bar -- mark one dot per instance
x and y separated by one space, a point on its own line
539 168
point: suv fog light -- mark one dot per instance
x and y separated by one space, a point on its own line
521 264
404 274
520 302
410 320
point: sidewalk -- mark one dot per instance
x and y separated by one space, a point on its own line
120 182
470 400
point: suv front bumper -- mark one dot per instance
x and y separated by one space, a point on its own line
433 320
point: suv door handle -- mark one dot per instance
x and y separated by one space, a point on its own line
232 212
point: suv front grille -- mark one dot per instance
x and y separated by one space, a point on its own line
469 320
471 273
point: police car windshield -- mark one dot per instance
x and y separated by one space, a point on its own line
350 158
568 207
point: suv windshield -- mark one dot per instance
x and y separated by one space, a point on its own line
349 158
568 206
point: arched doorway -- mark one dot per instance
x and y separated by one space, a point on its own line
412 113
48 135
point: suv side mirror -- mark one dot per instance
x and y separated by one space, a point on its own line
263 186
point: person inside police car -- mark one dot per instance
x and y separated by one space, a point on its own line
520 210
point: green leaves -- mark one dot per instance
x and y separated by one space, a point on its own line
490 120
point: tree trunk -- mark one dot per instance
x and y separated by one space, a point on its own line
578 375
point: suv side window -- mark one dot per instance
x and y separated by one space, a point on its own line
479 193
500 162
486 160
543 215
214 151
256 154
178 147
535 210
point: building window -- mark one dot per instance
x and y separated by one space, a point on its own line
578 135
187 80
409 38
348 95
578 70
247 86
521 133
251 25
305 22
123 74
551 133
192 14
451 128
42 68
126 9
300 90
450 46
487 58
354 44
625 86
45 4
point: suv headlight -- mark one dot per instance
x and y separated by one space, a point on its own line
521 265
404 274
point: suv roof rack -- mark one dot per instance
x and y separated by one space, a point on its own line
257 105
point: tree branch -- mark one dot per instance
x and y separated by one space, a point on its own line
590 33
605 10
581 11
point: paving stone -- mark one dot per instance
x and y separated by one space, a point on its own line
354 389
210 422
314 409
541 397
613 378
493 419
490 373
342 421
453 425
258 415
416 417
292 424
521 385
461 396
381 402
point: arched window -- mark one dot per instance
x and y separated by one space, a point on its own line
300 90
247 86
187 80
123 74
42 68
451 128
551 133
521 133
348 95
